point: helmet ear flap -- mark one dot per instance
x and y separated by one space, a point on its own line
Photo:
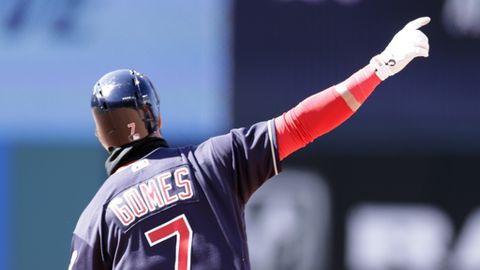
149 119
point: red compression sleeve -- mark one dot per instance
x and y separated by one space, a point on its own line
324 111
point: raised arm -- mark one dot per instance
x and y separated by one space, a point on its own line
324 111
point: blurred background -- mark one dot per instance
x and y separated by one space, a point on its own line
394 188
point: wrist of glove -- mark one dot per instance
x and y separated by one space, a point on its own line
406 45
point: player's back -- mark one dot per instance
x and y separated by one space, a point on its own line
158 216
177 208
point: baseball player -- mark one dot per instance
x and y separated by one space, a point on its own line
183 208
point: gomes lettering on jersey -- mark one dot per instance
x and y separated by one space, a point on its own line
153 194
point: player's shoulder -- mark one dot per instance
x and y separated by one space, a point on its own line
246 133
90 220
222 144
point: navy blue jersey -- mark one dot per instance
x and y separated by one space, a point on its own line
178 208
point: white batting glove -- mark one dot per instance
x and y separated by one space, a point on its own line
405 45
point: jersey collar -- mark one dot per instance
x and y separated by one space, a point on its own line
124 155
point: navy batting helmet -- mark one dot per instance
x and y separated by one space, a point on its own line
126 108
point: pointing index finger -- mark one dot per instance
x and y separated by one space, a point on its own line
417 23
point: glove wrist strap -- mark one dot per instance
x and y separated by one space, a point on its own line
382 70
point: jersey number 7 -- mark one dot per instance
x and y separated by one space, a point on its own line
179 228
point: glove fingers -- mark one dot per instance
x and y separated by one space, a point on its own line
421 36
417 23
419 39
406 45
422 44
422 51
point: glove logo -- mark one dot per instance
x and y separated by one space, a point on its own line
391 63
